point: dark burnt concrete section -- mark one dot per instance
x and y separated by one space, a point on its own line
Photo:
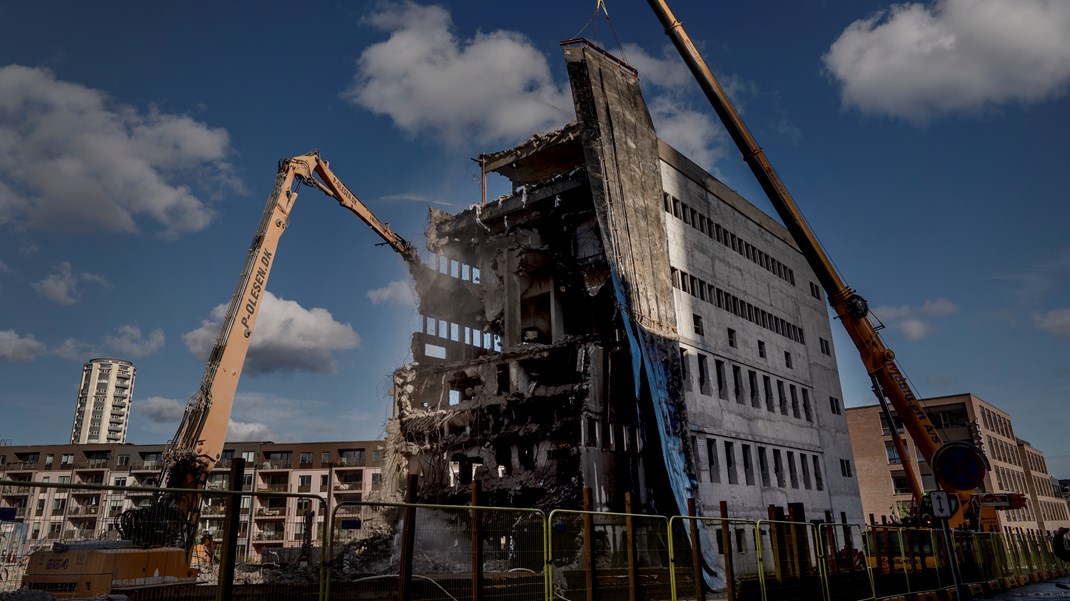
568 277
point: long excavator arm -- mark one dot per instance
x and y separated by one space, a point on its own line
199 441
851 309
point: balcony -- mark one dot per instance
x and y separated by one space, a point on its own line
273 488
22 465
349 489
15 490
271 513
147 466
275 465
268 536
92 464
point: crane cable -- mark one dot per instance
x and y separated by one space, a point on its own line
600 7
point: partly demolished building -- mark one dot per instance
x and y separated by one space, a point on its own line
626 323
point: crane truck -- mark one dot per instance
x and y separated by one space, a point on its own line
158 540
959 466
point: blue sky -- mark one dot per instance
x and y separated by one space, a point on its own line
926 143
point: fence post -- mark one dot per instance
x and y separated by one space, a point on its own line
696 552
629 538
477 545
408 541
774 542
225 583
588 544
729 577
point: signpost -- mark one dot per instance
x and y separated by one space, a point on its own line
942 510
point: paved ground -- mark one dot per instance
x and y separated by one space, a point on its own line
1044 591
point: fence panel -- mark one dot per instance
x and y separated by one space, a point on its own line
370 557
736 547
68 540
790 553
848 576
591 556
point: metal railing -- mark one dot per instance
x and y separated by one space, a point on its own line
304 549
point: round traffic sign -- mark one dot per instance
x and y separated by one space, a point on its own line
959 466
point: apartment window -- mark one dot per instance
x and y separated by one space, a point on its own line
763 466
737 382
778 468
767 385
304 483
722 385
815 291
64 479
685 372
794 402
305 458
806 406
748 465
697 319
845 468
835 406
120 482
59 504
792 473
900 484
731 337
703 374
67 459
783 400
826 347
893 455
805 470
787 359
49 458
325 457
711 460
730 462
752 381
819 482
122 460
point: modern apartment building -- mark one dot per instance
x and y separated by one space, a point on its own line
624 322
335 471
102 412
1015 465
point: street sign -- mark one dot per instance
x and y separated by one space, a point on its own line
959 466
941 504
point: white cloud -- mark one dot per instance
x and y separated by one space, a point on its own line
492 87
911 320
62 285
249 431
162 410
76 350
691 132
399 292
4 268
666 79
131 343
918 61
1056 321
14 347
287 338
72 158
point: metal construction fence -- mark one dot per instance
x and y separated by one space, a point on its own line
277 544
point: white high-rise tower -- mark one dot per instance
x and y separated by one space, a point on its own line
103 410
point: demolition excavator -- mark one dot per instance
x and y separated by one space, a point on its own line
158 539
959 466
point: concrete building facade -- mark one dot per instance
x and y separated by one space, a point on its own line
622 322
1015 466
338 471
102 411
